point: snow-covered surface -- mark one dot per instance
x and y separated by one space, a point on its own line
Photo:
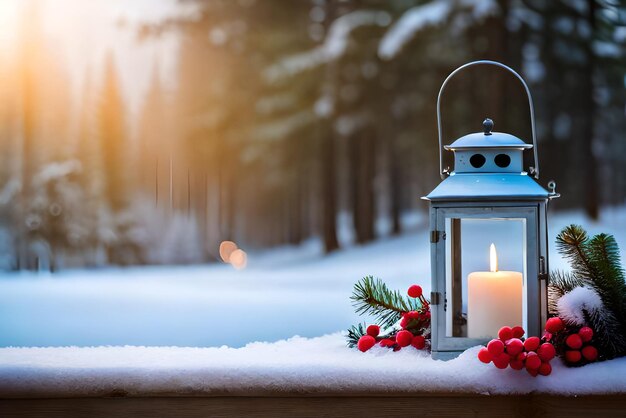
296 365
282 293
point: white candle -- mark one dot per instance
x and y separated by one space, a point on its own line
494 300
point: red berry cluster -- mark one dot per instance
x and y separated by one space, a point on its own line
575 342
510 349
413 324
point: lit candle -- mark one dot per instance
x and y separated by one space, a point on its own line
494 299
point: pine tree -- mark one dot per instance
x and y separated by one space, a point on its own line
113 144
112 135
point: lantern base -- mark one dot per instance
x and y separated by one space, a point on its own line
445 355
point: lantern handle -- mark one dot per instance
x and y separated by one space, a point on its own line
534 171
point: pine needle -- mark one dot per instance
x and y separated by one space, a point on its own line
354 333
560 283
372 296
571 245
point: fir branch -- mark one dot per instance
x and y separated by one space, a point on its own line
609 337
571 244
354 333
596 264
609 279
372 296
560 283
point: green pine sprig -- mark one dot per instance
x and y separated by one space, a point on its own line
596 264
561 282
372 296
354 333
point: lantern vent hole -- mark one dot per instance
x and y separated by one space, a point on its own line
477 160
502 160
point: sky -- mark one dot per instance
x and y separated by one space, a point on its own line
82 33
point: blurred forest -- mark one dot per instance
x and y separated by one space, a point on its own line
293 120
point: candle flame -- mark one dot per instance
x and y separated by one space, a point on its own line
493 258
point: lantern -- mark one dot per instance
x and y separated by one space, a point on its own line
489 237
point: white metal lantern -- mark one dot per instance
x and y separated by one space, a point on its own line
489 237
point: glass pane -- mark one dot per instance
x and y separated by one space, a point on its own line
485 284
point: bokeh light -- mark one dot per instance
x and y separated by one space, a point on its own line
226 250
239 259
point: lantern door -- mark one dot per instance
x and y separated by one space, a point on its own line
485 261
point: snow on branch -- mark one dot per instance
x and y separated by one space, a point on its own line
572 305
334 46
430 14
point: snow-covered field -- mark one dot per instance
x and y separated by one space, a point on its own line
282 293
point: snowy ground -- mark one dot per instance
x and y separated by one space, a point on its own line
282 293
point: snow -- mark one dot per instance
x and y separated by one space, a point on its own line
430 14
572 304
321 364
282 293
334 46
607 49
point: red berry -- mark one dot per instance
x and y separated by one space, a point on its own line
485 356
574 341
415 291
514 346
502 361
505 333
532 343
387 342
572 356
518 332
495 347
405 321
366 342
546 352
419 342
533 361
413 315
404 338
532 372
517 364
373 330
554 325
590 353
586 334
545 369
522 356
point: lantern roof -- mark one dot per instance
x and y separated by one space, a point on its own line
488 186
488 139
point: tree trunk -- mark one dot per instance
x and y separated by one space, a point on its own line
395 188
329 198
363 173
327 152
590 187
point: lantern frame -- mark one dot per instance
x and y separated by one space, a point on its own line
487 195
534 215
